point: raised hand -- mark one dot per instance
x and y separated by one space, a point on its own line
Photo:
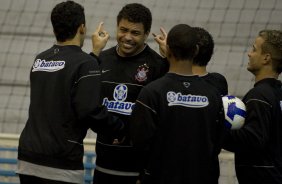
161 40
100 38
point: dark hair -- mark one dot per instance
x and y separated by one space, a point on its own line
136 13
273 45
182 42
66 17
206 46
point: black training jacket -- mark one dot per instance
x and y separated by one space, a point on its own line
178 121
258 144
122 80
64 103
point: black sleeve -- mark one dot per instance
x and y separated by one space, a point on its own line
165 66
255 133
96 57
86 101
143 120
143 127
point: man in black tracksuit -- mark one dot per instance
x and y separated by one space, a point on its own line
64 104
206 47
258 144
177 123
126 69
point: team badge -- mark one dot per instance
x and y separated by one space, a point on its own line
120 93
119 104
142 72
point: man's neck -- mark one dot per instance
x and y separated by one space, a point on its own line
199 70
258 78
181 67
265 74
69 42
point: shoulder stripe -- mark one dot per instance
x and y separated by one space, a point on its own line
85 76
155 112
110 82
253 99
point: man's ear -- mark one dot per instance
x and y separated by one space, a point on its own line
196 50
168 52
82 29
146 35
267 58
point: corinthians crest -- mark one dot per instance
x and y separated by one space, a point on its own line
142 72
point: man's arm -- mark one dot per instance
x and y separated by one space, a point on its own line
87 103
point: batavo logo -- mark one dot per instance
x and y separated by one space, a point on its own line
47 66
119 105
194 101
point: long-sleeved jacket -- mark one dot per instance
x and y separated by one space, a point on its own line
258 144
122 80
64 104
178 121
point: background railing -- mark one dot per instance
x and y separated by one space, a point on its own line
8 161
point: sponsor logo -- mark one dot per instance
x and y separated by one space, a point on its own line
47 66
194 101
142 72
94 72
119 105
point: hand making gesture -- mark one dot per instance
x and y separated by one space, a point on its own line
99 39
161 40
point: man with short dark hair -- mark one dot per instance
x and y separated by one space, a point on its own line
126 69
206 48
64 104
177 123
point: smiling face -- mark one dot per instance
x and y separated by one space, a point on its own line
256 57
131 38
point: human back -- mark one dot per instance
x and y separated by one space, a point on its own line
64 104
189 136
178 123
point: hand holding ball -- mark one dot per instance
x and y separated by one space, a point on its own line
235 112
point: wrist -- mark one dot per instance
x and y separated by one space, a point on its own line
96 52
